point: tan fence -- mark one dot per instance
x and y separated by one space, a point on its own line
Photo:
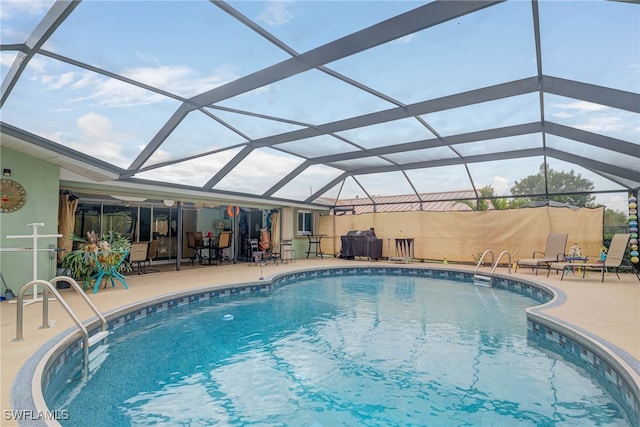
459 236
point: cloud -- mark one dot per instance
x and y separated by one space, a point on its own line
94 135
602 124
59 81
500 186
101 91
97 138
203 168
10 33
6 59
32 7
616 202
261 176
182 80
276 13
406 39
114 93
12 9
562 115
200 169
96 132
592 117
581 106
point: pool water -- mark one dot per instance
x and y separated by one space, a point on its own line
341 351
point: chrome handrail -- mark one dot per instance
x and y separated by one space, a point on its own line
493 269
480 261
49 286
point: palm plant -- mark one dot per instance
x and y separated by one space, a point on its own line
488 200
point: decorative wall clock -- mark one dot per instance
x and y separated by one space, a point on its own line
13 196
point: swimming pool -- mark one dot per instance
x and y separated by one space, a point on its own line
356 349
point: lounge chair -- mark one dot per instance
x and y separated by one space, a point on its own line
615 255
554 252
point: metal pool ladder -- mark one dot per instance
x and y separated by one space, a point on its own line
482 278
87 341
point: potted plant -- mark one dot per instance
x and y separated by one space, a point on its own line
98 257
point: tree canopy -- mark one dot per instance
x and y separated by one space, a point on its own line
563 187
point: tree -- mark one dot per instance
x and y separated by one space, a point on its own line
568 183
614 222
487 199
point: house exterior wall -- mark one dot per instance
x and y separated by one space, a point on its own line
40 180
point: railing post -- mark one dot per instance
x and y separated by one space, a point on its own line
20 306
45 307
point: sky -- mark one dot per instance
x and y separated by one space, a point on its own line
188 48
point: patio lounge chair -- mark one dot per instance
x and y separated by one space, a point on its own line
615 255
553 252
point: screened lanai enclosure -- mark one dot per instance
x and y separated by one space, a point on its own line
314 102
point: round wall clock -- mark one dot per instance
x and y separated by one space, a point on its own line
13 197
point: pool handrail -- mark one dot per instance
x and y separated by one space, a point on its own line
49 286
484 279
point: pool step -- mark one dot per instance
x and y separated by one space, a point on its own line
97 357
93 339
480 279
98 351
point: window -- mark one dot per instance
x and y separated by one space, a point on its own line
305 223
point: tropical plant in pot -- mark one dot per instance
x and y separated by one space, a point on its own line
109 250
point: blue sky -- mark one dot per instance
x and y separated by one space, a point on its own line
187 48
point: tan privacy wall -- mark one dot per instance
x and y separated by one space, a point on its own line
459 236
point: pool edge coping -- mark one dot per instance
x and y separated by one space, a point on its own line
35 366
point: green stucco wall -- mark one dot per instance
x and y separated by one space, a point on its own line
41 181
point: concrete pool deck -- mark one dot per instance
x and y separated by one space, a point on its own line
609 310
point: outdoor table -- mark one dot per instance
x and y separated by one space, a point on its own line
212 245
576 261
314 244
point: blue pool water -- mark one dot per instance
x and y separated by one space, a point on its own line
341 351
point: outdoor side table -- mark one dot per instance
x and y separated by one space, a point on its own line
575 264
314 244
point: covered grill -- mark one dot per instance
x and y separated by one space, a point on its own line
361 244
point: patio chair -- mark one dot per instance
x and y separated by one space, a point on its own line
267 245
224 242
288 254
256 254
554 252
138 255
152 254
615 255
195 241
